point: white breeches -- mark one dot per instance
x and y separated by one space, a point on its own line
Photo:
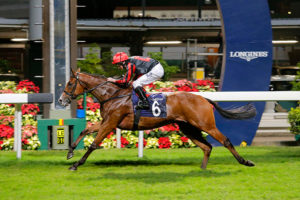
155 74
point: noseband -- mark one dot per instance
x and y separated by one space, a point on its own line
85 89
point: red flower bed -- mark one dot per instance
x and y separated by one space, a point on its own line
29 85
169 127
89 104
31 109
8 91
93 106
25 141
144 143
164 143
124 142
6 120
205 83
28 131
80 102
184 139
184 85
6 131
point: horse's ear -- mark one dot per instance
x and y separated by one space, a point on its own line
78 70
72 72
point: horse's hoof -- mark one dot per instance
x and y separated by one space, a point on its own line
70 155
249 163
72 168
203 167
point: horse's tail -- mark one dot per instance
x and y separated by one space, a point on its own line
244 112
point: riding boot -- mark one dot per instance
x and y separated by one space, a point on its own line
143 103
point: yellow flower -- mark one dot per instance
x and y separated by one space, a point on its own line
152 143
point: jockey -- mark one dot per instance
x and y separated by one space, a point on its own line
142 70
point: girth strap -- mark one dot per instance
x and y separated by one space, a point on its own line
136 119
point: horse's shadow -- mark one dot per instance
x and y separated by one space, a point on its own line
165 175
146 162
160 177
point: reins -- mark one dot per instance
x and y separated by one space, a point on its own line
92 89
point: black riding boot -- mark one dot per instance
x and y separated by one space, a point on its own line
143 103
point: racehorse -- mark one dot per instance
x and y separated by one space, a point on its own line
193 114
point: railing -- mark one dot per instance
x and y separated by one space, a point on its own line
18 100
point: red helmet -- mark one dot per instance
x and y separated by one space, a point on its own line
119 57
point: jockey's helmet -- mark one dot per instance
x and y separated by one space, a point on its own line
119 57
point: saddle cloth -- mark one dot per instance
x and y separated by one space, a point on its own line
157 103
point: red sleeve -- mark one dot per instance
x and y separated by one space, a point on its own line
128 75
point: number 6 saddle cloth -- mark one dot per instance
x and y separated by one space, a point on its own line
157 103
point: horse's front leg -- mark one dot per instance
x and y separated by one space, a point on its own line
83 133
106 128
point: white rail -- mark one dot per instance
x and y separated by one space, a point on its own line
252 96
18 100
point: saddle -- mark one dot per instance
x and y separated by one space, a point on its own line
158 108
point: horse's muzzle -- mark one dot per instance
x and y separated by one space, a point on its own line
64 101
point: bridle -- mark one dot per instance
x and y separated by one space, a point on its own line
85 90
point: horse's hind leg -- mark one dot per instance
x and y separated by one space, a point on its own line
83 133
215 133
195 135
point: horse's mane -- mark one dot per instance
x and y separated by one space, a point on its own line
94 75
104 77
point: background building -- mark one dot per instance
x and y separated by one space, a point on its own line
42 39
129 25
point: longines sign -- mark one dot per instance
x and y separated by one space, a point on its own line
249 55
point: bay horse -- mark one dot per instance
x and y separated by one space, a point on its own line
193 114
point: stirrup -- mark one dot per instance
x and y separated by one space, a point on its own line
143 105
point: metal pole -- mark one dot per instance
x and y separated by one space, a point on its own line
84 104
118 134
187 59
52 51
196 57
128 11
141 144
18 131
143 7
59 31
15 130
200 2
35 20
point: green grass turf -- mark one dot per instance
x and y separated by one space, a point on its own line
161 174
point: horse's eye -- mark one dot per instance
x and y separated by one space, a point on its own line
69 84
